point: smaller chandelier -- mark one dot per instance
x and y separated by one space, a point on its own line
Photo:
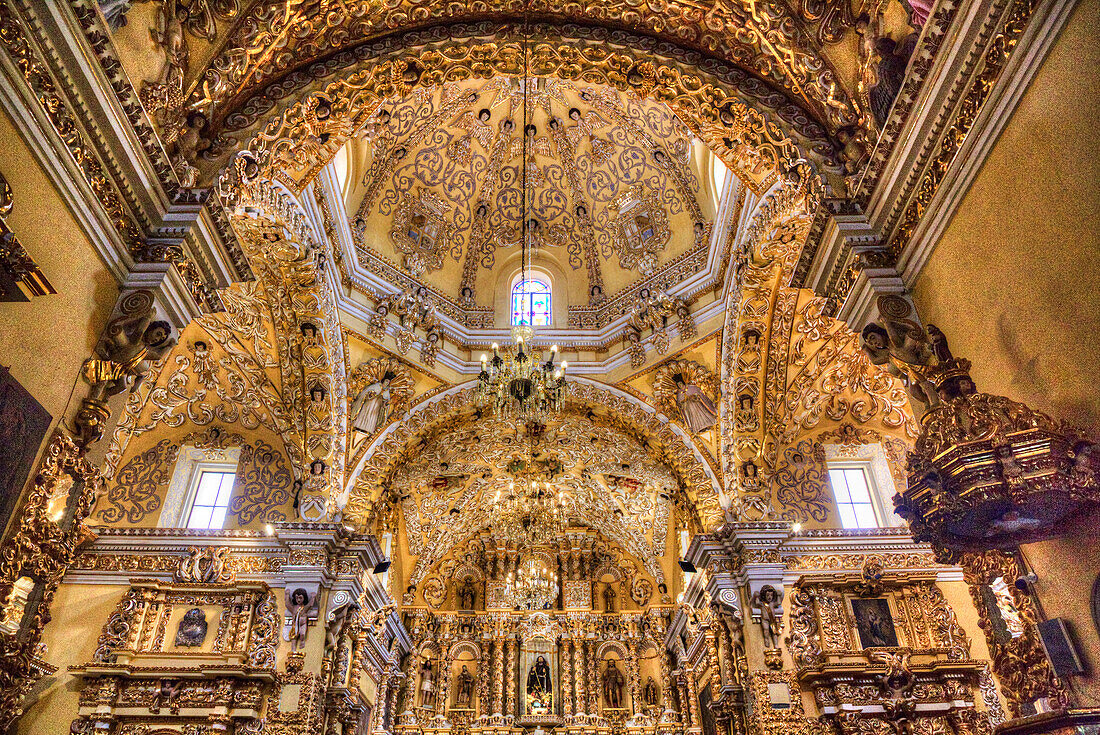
532 586
518 385
528 517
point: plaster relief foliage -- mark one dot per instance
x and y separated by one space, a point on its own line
436 183
139 484
609 481
773 43
805 372
262 484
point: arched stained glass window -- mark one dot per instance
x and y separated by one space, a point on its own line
531 304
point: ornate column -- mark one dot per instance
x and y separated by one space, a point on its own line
666 683
567 647
593 681
510 677
712 655
685 703
444 689
579 670
693 699
498 677
635 679
484 676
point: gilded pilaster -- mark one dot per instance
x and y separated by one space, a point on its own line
498 677
579 677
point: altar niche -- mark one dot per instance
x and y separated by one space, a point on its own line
539 685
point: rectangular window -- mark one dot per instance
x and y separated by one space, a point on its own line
852 490
211 502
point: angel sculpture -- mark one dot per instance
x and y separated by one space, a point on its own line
126 353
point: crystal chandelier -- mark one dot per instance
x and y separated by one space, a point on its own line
527 516
517 384
532 586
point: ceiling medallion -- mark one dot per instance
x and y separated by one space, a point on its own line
517 385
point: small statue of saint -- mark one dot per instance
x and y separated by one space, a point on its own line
467 595
613 685
698 410
465 688
298 606
768 605
427 686
539 686
609 599
650 694
371 406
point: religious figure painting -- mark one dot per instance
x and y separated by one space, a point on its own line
23 424
192 628
874 623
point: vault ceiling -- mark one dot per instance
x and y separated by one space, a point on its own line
611 481
614 185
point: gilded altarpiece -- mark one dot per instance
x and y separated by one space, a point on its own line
882 652
183 657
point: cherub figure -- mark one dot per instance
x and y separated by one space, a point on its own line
903 350
126 352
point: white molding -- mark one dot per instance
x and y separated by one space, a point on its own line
55 160
995 115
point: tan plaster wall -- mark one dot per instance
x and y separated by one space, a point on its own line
1013 280
45 340
1067 567
79 612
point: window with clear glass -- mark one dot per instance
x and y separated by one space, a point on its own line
211 502
531 304
852 490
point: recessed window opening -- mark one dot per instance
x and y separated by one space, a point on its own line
212 494
852 490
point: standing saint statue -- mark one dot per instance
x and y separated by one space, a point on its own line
465 688
650 694
539 686
467 595
427 686
698 410
609 599
613 685
371 405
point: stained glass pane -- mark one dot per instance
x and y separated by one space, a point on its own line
531 304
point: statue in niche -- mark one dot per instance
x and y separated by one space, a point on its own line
540 689
427 685
298 607
465 687
372 404
651 694
467 595
192 629
698 410
613 685
768 604
609 599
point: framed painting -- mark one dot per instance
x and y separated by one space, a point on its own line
874 622
23 426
